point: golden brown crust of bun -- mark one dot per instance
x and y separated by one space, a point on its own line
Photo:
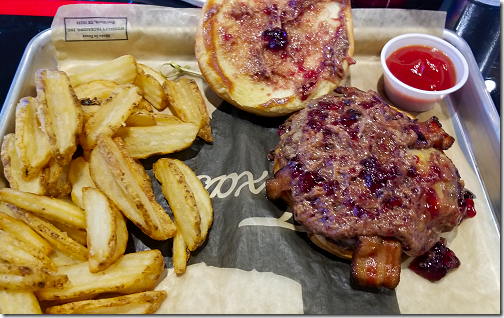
240 89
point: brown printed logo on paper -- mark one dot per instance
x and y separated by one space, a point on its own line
95 29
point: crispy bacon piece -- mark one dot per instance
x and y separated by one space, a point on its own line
279 187
376 262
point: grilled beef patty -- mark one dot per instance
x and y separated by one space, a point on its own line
350 165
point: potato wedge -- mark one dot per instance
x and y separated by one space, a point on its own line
156 222
102 241
32 144
14 302
106 181
153 90
201 196
187 102
168 119
139 303
13 169
99 89
111 115
132 273
46 207
145 105
139 118
78 235
58 239
25 278
80 177
143 142
150 71
23 232
181 200
88 111
58 184
121 70
59 113
18 252
181 253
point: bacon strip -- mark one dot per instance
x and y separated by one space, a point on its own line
376 262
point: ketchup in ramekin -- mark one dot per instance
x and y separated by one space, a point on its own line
422 67
419 80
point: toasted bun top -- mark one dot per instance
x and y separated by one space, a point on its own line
270 57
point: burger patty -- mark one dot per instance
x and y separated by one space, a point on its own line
352 166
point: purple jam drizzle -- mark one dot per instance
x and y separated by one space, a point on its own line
375 176
276 39
435 263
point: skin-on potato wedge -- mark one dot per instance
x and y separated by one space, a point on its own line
80 177
139 118
13 169
58 239
162 119
106 181
187 102
59 113
18 252
181 253
157 223
14 302
145 105
121 70
78 235
131 273
23 232
32 145
139 303
62 259
26 278
58 184
150 71
102 239
143 142
181 200
88 111
201 196
46 207
111 115
153 90
99 89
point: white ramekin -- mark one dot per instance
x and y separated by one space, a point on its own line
414 99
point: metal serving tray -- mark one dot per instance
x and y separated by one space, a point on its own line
476 121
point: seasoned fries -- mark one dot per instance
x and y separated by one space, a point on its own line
32 145
13 169
111 115
187 198
152 88
139 303
103 219
99 89
181 253
132 273
58 239
121 70
59 113
187 103
137 202
14 302
47 207
161 139
79 177
23 232
63 219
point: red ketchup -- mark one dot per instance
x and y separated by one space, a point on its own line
422 67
